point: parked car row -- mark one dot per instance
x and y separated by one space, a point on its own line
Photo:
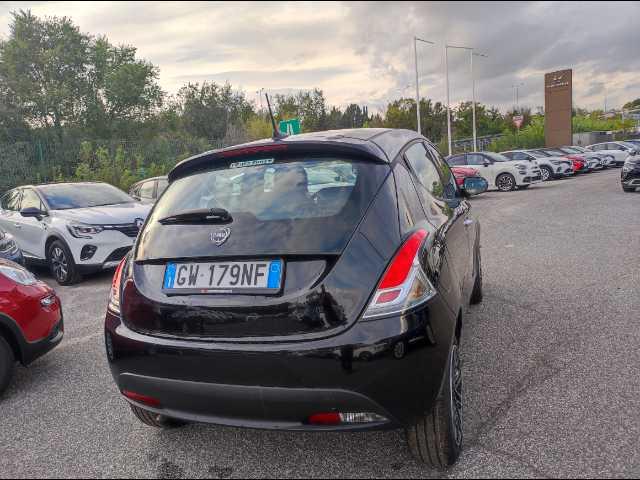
519 169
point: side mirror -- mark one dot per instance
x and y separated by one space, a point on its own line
474 186
33 212
486 162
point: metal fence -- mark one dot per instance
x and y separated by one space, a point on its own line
466 144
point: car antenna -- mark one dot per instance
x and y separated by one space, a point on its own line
277 135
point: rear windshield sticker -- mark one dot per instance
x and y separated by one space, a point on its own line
252 163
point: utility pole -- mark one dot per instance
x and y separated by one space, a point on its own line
415 51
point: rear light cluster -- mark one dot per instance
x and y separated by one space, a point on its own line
336 418
114 295
405 284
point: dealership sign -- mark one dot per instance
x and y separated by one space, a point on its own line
558 104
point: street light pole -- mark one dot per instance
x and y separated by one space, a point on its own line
515 87
473 88
415 51
446 76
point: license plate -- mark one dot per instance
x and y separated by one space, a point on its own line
263 276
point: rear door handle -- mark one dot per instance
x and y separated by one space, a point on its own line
17 225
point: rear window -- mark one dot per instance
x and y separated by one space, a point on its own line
272 190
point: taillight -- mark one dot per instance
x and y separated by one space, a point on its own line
114 295
339 418
404 285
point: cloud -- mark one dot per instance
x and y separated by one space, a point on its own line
363 51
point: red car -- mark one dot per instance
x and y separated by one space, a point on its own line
30 319
460 173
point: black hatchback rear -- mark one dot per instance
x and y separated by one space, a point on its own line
310 283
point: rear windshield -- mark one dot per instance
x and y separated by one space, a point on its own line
537 154
272 190
82 195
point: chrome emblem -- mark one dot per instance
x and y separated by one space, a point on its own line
139 222
220 236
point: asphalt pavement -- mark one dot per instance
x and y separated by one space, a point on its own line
551 364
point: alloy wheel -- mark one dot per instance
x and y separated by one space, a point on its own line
457 411
59 264
545 174
505 183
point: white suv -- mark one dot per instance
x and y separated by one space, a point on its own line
620 151
499 171
75 228
551 167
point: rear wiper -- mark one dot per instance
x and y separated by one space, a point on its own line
201 215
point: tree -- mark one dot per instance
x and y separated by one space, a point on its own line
208 110
309 106
121 90
632 105
42 67
259 127
488 121
58 77
433 117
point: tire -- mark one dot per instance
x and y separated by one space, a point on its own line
155 420
505 182
629 189
61 263
7 364
546 173
476 294
436 438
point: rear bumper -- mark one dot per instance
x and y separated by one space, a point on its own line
392 367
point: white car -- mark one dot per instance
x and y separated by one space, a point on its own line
74 228
550 167
499 171
620 151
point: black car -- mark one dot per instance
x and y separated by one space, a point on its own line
630 174
9 249
312 283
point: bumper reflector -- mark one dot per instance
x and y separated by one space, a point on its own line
335 418
144 399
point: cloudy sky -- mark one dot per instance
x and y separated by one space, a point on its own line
363 52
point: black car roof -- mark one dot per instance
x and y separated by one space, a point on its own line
380 144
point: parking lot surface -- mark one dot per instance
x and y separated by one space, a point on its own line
551 363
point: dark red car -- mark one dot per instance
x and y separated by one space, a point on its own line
30 319
460 173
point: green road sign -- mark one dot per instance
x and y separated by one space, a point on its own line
290 127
